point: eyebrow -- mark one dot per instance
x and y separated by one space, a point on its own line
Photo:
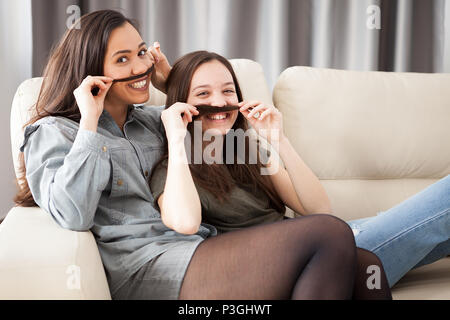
128 51
207 85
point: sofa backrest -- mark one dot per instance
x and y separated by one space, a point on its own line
249 73
372 138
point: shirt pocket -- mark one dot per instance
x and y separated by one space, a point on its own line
152 155
119 167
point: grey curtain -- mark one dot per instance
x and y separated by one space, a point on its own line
276 33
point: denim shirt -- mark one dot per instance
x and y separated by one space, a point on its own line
98 181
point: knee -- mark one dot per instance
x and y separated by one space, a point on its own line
334 226
335 232
325 230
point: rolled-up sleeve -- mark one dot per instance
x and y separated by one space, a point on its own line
66 170
158 182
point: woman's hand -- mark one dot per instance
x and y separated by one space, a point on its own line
176 119
162 67
91 107
266 120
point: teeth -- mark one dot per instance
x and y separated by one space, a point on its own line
217 117
139 85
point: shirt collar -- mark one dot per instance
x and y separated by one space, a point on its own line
107 122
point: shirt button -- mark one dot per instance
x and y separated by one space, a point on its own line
119 182
104 149
146 173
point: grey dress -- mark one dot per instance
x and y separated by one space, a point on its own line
98 182
244 207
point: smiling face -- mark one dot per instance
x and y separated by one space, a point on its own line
126 56
212 84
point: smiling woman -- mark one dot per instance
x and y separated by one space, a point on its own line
85 158
312 257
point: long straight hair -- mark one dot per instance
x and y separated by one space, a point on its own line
218 179
81 52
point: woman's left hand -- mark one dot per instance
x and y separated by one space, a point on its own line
162 67
266 120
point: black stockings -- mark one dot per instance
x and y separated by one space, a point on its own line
310 257
370 280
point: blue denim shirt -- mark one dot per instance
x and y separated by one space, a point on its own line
99 182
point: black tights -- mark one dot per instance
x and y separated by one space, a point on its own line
312 257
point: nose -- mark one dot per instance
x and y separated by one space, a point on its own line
141 66
218 100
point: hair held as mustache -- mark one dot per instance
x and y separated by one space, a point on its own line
95 90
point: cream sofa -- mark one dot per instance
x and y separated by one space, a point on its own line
373 139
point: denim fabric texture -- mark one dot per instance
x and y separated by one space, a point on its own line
411 234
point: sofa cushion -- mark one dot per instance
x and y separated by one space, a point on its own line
40 260
373 138
367 125
430 282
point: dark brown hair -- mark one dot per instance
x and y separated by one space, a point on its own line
81 52
218 179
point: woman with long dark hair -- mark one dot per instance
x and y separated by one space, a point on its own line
88 151
233 196
257 254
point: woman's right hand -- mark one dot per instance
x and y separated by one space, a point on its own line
176 119
91 107
162 67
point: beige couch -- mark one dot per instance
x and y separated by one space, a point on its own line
373 139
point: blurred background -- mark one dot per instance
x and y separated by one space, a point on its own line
378 35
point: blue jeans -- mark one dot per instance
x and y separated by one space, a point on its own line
411 234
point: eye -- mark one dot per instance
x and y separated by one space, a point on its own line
142 52
122 59
229 91
203 93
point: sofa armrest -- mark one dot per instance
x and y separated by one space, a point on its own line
41 260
